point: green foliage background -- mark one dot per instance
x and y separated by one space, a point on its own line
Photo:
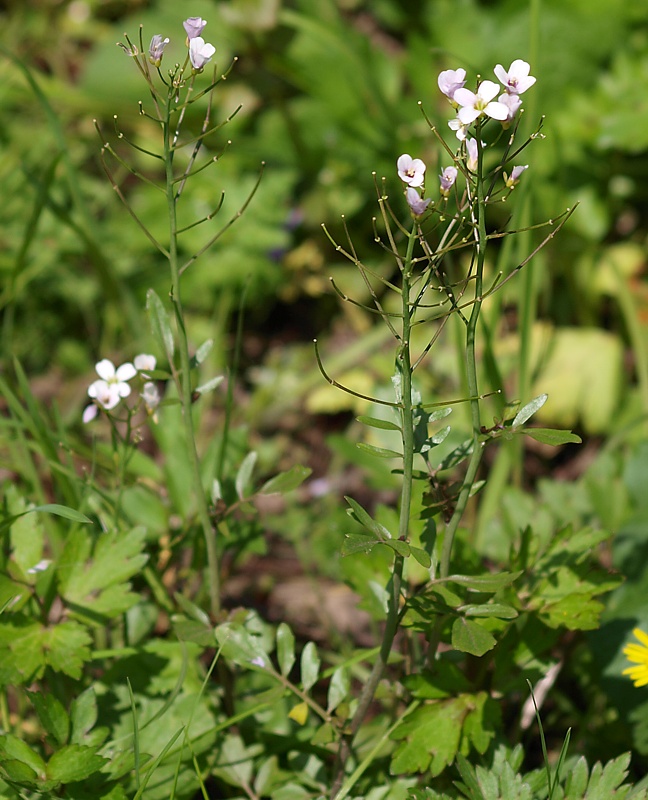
328 94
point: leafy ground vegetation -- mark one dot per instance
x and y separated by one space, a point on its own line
405 561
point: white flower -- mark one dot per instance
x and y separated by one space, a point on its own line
144 362
512 102
200 52
473 105
156 49
459 128
450 80
514 177
411 170
416 203
517 80
447 179
194 26
110 388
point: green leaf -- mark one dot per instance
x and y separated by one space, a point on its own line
83 715
486 583
431 737
338 688
399 547
470 637
160 323
357 543
52 715
202 352
244 474
380 452
62 511
210 385
67 648
374 422
74 763
240 645
366 520
421 556
95 586
286 481
13 748
552 436
285 649
310 665
529 410
497 610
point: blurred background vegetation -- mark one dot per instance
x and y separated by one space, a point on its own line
328 94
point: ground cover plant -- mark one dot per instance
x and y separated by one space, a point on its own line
406 560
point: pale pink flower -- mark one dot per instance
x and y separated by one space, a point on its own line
447 179
200 52
474 104
416 203
512 102
411 170
194 26
450 80
156 49
514 178
517 80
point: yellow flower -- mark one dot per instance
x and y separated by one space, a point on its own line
638 654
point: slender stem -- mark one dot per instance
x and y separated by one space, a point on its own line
184 387
404 370
471 368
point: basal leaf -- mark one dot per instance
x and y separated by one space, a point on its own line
66 647
470 637
52 715
74 763
357 543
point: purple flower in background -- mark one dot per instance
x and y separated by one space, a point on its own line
194 26
156 49
416 203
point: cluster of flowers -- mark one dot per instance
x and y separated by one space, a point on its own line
113 385
470 106
200 51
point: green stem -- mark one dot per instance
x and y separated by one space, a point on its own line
404 368
471 370
184 383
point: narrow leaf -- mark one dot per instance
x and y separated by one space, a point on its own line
486 583
286 481
62 511
552 436
244 474
338 688
365 519
374 422
285 648
527 411
160 324
203 351
310 665
497 610
210 385
380 452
